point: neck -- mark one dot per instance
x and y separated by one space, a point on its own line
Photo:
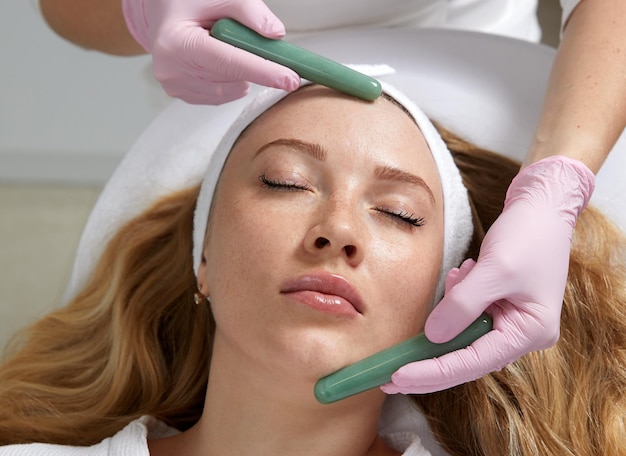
250 411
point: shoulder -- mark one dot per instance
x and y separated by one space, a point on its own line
130 440
567 8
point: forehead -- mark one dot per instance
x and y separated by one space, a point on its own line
380 132
322 114
317 103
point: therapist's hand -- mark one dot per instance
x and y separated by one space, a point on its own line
519 279
192 65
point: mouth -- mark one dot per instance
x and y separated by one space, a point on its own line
325 292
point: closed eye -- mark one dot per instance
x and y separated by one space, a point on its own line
403 216
281 185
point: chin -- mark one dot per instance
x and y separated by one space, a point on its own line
321 356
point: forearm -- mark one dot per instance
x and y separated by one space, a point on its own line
584 109
92 24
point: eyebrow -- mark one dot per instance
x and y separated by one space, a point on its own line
316 151
395 174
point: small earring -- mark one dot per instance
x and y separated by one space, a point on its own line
199 298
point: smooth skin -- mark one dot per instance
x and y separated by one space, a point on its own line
336 216
97 25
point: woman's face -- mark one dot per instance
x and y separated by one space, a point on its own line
326 235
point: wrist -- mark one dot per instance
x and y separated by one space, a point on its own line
136 21
558 181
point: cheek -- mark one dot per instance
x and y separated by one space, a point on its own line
245 245
231 261
408 284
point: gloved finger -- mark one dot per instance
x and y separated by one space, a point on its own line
436 374
463 302
489 353
224 62
254 14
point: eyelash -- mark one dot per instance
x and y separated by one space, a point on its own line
402 216
278 185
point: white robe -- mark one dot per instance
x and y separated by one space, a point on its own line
401 426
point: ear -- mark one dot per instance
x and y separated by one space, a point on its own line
202 277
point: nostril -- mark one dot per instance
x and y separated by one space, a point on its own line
321 242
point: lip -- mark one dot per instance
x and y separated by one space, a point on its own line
326 292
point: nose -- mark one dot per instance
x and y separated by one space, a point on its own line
337 232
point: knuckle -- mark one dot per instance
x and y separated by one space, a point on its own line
508 267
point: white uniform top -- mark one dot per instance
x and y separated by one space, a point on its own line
515 18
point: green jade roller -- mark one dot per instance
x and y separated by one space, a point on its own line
377 369
307 64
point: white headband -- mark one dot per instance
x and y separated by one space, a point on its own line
458 227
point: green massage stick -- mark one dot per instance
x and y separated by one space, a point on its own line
307 64
377 369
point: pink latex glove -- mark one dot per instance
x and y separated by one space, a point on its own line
519 279
192 65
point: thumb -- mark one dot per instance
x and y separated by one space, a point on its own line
466 298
